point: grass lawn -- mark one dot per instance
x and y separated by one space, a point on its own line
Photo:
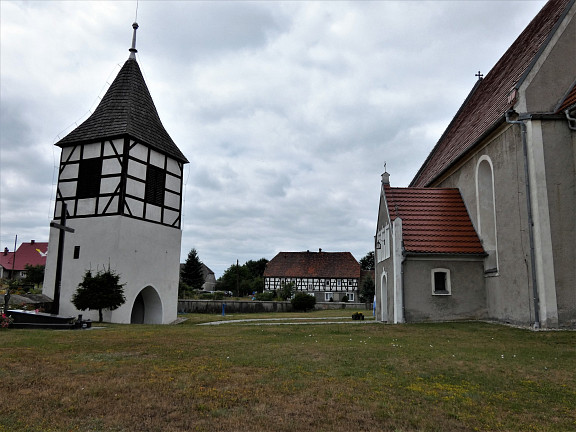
342 376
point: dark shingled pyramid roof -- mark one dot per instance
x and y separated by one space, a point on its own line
126 109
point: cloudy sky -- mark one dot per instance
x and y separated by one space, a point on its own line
287 111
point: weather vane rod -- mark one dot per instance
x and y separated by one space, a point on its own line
133 50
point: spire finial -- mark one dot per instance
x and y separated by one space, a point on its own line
133 50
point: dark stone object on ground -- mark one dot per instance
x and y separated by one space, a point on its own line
40 320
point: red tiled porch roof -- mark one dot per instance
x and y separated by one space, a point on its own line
434 220
569 101
313 265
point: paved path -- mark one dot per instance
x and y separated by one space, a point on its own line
292 321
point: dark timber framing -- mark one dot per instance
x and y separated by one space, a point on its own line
110 201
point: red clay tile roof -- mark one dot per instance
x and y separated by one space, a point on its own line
488 102
27 254
434 220
6 260
313 265
570 100
126 108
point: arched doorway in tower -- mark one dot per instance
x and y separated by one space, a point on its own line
147 308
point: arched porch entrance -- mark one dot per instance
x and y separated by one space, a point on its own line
384 297
147 308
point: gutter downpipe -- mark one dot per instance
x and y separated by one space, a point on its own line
536 298
571 120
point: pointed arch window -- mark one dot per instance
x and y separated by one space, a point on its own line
486 213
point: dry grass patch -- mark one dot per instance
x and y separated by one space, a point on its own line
337 377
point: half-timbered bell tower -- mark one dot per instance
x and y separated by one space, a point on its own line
120 177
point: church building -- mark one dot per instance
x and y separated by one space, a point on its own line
487 227
119 205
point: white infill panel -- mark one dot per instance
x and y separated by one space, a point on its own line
70 171
136 207
137 169
153 213
135 188
86 207
111 166
91 151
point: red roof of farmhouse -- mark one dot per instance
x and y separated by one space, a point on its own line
487 103
33 253
434 220
313 265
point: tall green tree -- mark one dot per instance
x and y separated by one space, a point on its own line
367 262
244 279
367 290
191 273
99 292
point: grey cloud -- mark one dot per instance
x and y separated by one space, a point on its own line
287 110
197 29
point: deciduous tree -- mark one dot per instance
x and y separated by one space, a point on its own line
34 274
367 262
244 279
367 290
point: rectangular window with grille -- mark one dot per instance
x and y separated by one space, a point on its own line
89 175
155 185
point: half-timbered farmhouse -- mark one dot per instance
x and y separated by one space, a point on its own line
487 227
120 190
329 276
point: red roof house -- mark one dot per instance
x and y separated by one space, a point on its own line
326 275
32 254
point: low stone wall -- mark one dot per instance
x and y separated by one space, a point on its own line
255 306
